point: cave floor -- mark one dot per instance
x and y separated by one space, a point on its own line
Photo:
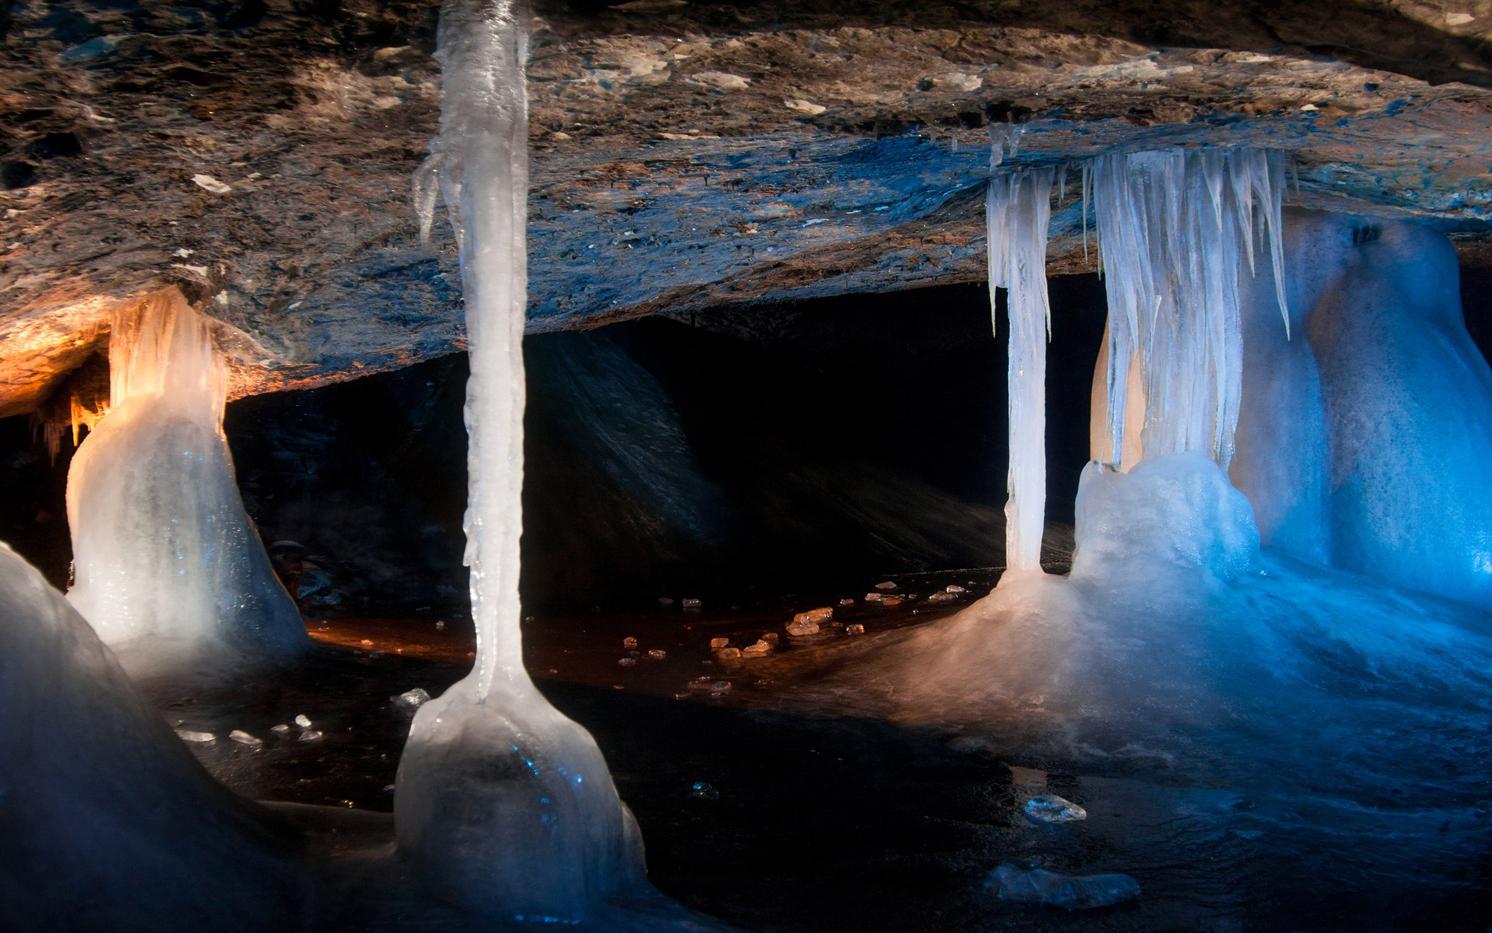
767 811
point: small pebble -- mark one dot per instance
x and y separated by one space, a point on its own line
310 735
627 662
302 720
886 585
657 654
691 603
757 650
243 738
854 628
201 738
718 643
630 641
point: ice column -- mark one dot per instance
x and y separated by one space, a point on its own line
1017 209
503 805
1176 227
161 542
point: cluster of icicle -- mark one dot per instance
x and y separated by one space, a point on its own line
1176 228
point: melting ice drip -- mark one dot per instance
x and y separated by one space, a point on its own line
1017 209
1175 227
503 805
161 542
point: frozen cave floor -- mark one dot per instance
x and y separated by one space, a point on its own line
805 796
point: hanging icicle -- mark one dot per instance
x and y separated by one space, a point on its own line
1017 212
1176 229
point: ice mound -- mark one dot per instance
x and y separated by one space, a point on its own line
506 807
161 542
108 821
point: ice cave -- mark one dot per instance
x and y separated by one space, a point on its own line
668 465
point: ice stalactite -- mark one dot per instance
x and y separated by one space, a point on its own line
161 542
1174 229
503 805
1017 210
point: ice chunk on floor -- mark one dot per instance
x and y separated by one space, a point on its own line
1049 808
1071 892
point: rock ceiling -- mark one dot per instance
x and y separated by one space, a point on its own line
258 154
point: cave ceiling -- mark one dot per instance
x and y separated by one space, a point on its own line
686 156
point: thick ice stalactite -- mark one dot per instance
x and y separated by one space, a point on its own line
1280 457
1407 406
108 822
161 542
1017 212
503 805
1174 227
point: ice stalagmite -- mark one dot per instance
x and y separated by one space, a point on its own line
161 542
108 821
1017 210
1175 227
503 805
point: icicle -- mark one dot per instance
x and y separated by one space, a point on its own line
502 804
1017 214
1176 230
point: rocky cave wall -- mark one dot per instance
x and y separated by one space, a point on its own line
257 153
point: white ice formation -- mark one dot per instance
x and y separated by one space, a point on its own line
502 804
1017 210
161 542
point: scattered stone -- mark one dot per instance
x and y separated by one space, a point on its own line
758 650
367 643
719 81
388 788
243 738
1073 892
718 643
1049 808
208 183
796 629
1458 19
953 588
728 654
890 601
630 641
657 654
886 586
665 600
302 720
411 699
846 602
799 105
200 738
720 688
955 81
942 596
854 628
771 638
703 791
691 602
627 662
310 735
440 626
281 729
873 597
822 614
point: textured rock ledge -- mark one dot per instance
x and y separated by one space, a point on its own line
258 154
